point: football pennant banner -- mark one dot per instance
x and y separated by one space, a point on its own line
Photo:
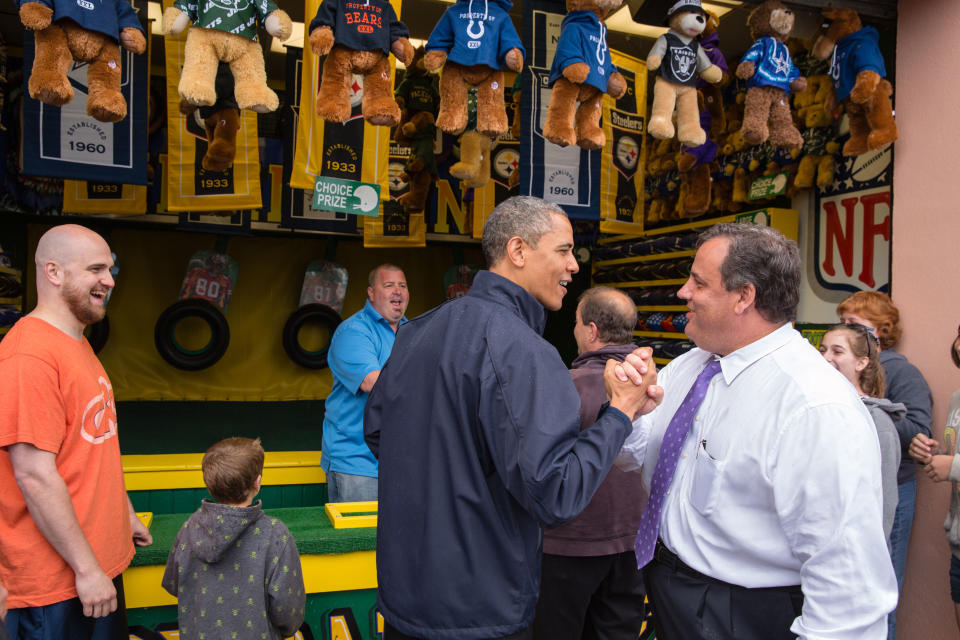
621 172
354 150
64 142
190 187
83 196
395 228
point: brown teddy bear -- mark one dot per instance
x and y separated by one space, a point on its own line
858 76
678 56
221 122
771 75
420 171
65 31
358 41
221 33
581 73
473 47
418 99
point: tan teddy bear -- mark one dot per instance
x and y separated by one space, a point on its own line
222 34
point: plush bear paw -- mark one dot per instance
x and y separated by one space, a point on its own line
49 87
256 97
332 109
660 127
451 120
492 124
107 106
382 112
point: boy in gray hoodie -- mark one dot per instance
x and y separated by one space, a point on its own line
235 570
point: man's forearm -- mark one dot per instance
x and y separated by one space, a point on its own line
50 507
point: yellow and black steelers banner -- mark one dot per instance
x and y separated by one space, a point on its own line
190 187
621 171
354 150
88 196
395 227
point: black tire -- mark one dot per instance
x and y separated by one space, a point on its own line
308 314
98 334
182 358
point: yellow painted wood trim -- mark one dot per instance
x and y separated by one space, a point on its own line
322 573
341 514
660 334
653 257
183 471
646 283
662 307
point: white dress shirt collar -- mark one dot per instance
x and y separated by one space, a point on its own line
733 364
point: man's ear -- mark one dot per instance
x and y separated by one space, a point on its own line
514 253
53 272
746 297
594 332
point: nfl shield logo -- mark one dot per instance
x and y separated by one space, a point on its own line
682 63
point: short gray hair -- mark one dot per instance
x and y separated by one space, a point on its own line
765 258
614 313
526 217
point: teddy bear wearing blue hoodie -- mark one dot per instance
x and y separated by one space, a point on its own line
858 73
473 41
581 73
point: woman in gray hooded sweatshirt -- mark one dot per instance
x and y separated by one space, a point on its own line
854 351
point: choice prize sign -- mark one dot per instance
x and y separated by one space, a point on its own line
346 196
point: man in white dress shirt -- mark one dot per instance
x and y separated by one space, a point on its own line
771 524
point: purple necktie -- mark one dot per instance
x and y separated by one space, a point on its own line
673 439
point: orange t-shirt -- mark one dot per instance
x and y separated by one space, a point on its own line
55 395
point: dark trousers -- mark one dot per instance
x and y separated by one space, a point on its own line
389 633
688 605
589 598
65 621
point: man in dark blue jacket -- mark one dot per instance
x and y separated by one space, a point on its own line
475 423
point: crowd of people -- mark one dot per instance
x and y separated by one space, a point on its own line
517 499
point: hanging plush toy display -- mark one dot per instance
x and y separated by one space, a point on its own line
358 41
65 31
859 76
221 122
221 32
770 75
581 73
473 47
680 58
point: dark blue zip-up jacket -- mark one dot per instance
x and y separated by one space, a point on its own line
475 421
859 51
583 39
108 17
476 32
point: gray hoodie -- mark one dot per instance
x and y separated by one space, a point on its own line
236 574
885 414
950 441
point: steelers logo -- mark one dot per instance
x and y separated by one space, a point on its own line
356 90
396 183
506 162
628 152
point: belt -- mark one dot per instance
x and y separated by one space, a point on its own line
668 558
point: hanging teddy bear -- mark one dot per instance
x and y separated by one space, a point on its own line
581 73
358 40
680 58
222 32
65 31
221 122
770 75
859 77
473 47
418 98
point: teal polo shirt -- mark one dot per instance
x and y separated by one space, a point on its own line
361 344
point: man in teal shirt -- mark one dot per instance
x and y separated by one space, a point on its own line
359 349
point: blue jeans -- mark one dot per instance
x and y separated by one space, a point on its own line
346 487
65 621
900 541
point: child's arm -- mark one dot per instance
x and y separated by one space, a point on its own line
286 597
171 574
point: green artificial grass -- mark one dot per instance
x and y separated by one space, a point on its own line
309 525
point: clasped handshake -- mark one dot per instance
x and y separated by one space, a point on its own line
632 384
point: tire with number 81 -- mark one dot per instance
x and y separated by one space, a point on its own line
309 314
